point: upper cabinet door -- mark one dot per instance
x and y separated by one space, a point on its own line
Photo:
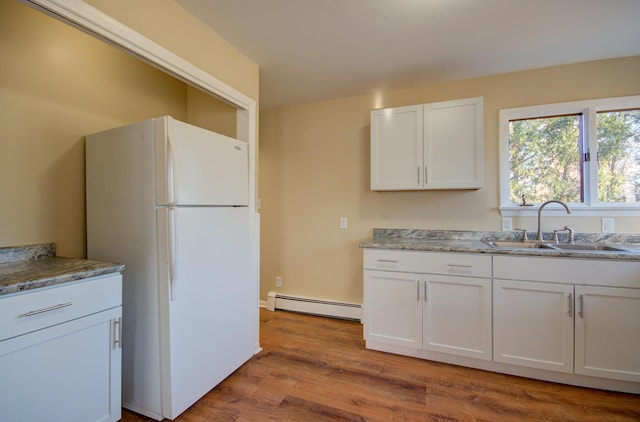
428 146
396 148
453 144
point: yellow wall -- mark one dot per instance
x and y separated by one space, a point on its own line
207 112
58 84
314 169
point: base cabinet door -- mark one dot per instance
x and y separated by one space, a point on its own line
68 372
533 324
607 339
457 316
393 311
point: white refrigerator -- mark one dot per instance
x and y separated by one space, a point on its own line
170 201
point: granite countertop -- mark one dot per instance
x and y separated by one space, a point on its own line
472 242
33 266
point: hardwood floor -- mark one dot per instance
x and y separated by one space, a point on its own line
317 369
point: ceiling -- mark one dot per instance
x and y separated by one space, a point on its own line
314 50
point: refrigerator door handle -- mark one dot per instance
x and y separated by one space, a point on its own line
172 253
171 188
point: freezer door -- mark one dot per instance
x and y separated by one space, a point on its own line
198 167
207 305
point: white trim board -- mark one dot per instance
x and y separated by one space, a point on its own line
96 23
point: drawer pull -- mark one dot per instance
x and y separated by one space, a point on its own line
388 261
50 308
460 265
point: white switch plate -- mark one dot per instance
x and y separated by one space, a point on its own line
343 223
507 224
278 281
607 225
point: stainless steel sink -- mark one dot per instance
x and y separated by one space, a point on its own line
506 244
517 245
591 247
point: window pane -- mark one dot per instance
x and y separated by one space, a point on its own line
619 156
544 159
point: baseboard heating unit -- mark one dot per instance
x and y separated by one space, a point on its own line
306 305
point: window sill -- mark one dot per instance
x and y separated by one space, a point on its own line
631 210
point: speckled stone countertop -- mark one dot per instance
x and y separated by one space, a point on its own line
472 242
30 267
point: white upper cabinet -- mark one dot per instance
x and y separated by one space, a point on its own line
396 148
428 146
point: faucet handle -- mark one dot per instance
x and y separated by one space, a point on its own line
524 234
571 233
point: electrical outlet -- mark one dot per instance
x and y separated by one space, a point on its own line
343 223
278 281
507 224
607 225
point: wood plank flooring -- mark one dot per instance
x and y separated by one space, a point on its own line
317 369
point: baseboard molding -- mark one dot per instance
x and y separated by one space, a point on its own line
333 309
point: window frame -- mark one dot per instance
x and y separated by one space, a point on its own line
588 109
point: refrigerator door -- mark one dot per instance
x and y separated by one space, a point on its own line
207 327
199 167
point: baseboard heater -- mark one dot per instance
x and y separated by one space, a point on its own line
307 305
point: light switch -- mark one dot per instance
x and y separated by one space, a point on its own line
343 223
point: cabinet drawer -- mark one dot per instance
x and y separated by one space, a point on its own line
564 270
34 310
472 265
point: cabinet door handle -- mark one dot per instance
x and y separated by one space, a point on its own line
389 261
581 302
570 302
425 175
418 291
117 333
49 309
418 174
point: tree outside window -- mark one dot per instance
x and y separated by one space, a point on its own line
544 157
582 153
619 156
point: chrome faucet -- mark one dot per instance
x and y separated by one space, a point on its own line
566 207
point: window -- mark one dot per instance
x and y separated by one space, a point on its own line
618 136
585 153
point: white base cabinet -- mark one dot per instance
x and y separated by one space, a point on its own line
457 315
533 324
565 320
62 371
607 336
393 313
578 316
426 311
